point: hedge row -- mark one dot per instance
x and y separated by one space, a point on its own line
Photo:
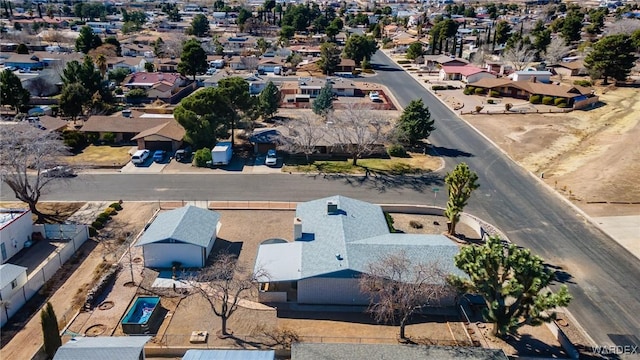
104 218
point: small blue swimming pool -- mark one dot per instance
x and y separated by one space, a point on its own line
140 315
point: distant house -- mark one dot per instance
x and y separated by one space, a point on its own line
335 239
12 279
103 348
309 87
346 65
166 65
136 49
16 227
327 351
256 84
268 64
525 75
124 128
570 68
184 235
467 73
265 139
132 64
577 97
163 86
167 136
24 61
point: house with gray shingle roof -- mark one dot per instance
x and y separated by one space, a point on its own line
335 239
103 348
185 235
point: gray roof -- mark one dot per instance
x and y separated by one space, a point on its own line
194 354
347 241
327 351
188 224
102 348
10 272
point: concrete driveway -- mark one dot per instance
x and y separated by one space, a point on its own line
149 167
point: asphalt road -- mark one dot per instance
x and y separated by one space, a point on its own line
602 276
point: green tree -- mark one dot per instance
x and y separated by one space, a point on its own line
11 91
236 90
74 96
193 59
199 26
22 49
571 27
87 40
149 67
612 56
329 58
323 104
243 16
287 32
113 41
101 63
88 76
512 282
262 44
205 115
360 47
158 47
461 182
269 100
503 31
202 156
415 123
415 50
50 331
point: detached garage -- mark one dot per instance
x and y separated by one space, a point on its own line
184 235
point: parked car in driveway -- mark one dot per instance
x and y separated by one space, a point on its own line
272 158
59 171
159 156
183 155
140 156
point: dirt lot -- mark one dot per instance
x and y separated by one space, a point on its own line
592 157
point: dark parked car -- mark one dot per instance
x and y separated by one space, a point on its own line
159 156
183 155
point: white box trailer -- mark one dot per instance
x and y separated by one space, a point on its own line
221 154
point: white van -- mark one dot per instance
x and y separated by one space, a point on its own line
139 157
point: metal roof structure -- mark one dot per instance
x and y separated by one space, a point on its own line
10 272
188 224
103 348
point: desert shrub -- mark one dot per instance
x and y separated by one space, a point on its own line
415 224
109 137
104 217
494 93
479 91
110 211
92 231
563 105
491 101
451 87
508 106
390 222
586 83
402 62
137 94
547 100
438 87
75 140
558 101
535 99
97 225
479 108
116 206
93 137
200 157
397 150
468 90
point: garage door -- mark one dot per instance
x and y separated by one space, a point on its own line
157 145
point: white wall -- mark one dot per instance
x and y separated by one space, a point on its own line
163 254
337 291
15 234
7 292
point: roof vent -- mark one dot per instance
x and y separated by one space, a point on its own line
339 257
332 207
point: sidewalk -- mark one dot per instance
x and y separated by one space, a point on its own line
622 229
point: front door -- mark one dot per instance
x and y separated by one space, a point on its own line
3 249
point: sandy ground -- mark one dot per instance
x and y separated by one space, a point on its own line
592 157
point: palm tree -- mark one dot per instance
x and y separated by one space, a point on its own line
101 62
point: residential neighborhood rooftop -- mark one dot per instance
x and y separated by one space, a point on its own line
188 224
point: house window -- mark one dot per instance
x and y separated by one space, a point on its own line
14 284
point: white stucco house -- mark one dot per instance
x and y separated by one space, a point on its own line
527 75
16 227
467 73
185 235
335 239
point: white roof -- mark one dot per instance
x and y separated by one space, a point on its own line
279 262
10 272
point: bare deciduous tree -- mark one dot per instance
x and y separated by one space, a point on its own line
223 284
250 62
519 55
481 55
279 336
40 86
623 26
556 50
358 131
25 152
398 288
304 135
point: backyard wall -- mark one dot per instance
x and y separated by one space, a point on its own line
75 236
